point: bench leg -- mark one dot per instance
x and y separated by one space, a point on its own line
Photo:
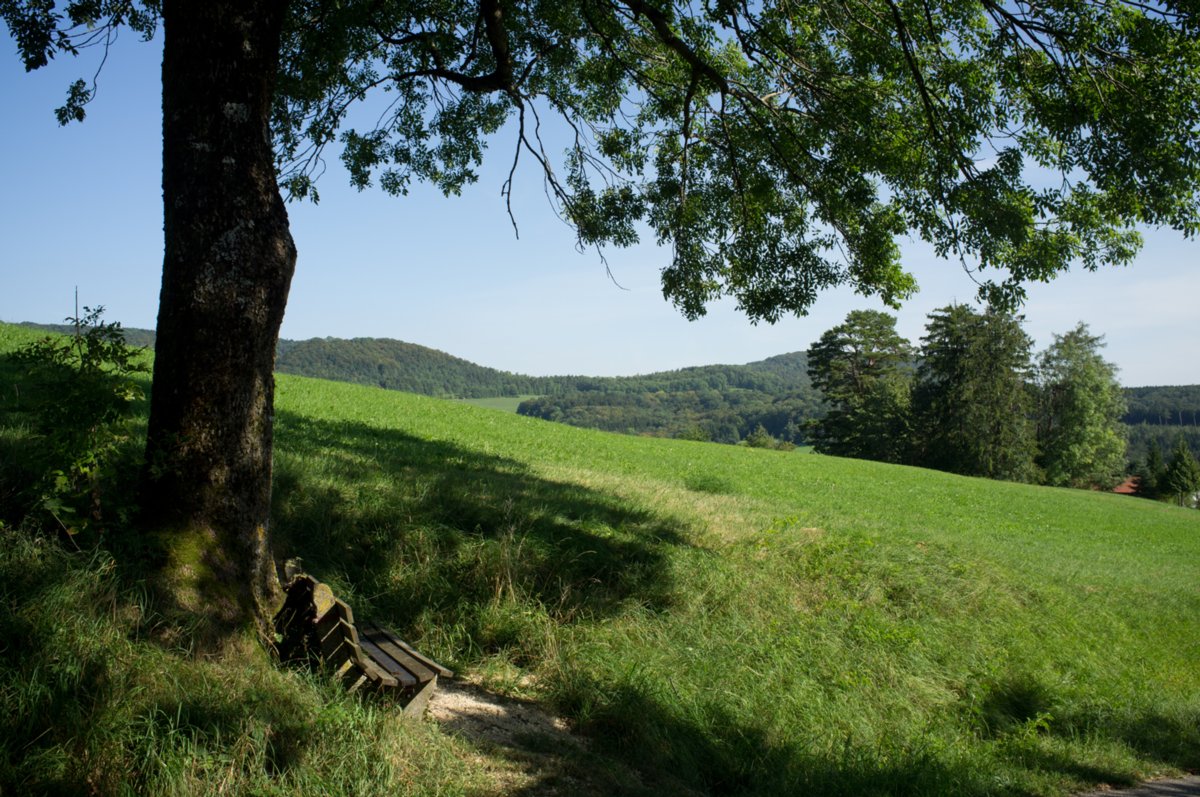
420 701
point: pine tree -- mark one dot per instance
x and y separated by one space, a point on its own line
1182 475
1152 471
862 366
971 398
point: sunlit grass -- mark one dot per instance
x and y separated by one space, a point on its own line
723 620
761 619
503 403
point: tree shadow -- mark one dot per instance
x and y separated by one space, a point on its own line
432 535
407 527
732 755
714 751
1172 739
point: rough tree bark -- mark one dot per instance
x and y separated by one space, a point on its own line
228 264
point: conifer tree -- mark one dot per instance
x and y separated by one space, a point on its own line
863 368
1081 440
971 399
1151 473
1181 478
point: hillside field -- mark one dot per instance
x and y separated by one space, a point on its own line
502 403
711 619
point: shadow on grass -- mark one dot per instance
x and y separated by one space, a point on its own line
1174 739
716 752
729 755
412 527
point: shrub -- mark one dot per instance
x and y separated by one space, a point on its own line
83 388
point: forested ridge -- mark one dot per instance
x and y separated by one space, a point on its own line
1161 415
396 365
724 403
718 402
1165 405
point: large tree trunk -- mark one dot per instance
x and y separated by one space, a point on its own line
228 264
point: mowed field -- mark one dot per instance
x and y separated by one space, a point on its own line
503 403
710 619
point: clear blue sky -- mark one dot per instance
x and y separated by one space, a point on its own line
81 206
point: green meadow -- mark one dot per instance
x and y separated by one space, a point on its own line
709 619
505 403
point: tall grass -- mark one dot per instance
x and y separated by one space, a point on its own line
741 621
95 702
721 620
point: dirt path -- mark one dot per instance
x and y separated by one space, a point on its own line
481 716
526 750
1176 787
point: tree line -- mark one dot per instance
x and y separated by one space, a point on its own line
720 403
1158 417
1175 479
973 398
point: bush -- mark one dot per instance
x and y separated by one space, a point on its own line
760 438
81 391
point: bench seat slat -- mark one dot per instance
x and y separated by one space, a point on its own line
377 675
403 674
402 652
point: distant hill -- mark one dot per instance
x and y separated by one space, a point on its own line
715 402
1166 405
396 365
1162 415
724 403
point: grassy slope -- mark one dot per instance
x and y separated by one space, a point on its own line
503 403
742 621
725 620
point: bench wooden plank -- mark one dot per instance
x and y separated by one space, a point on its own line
392 648
330 629
336 644
403 675
417 704
376 674
401 651
339 643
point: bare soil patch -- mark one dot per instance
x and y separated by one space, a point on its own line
527 750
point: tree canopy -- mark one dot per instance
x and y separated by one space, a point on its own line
779 149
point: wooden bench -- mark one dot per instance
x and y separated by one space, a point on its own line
316 627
